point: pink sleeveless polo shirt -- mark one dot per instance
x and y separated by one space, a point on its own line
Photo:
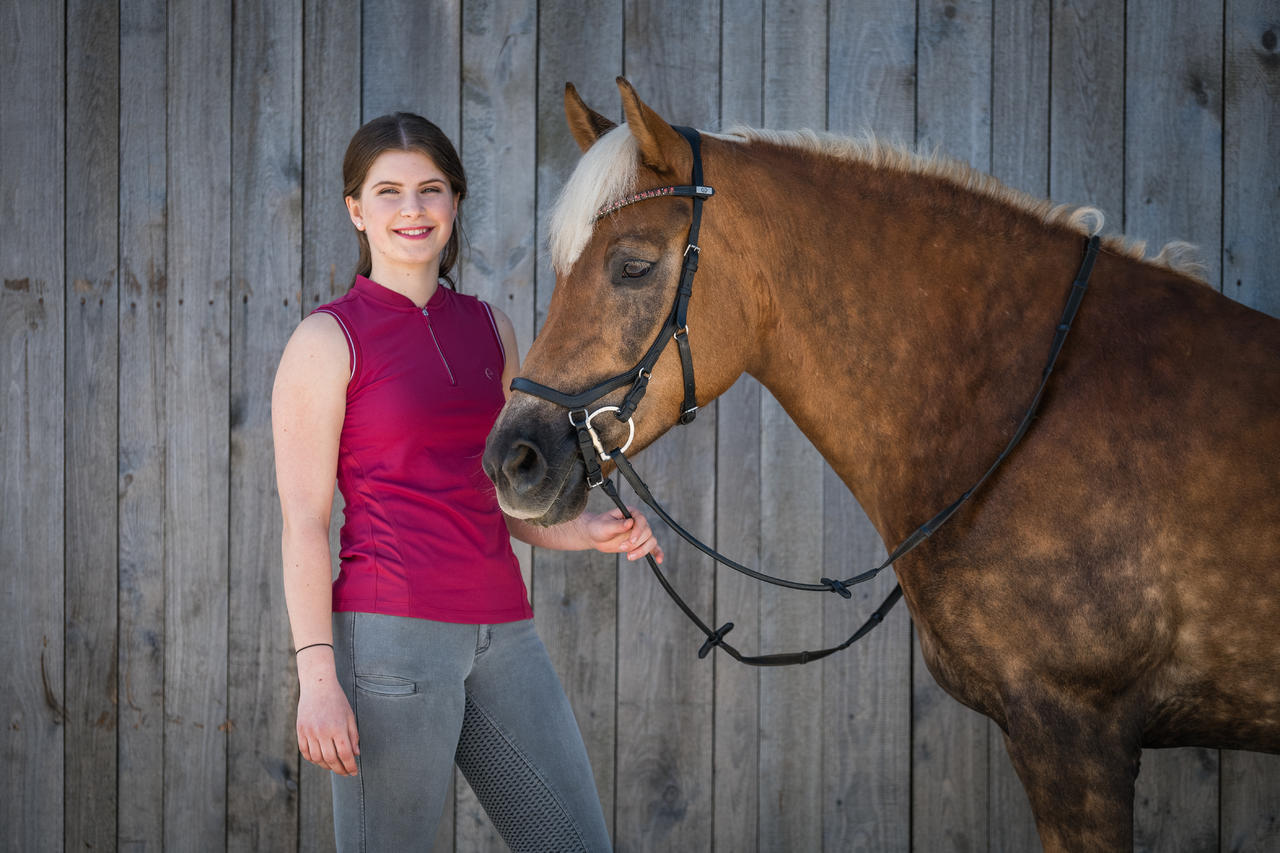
422 534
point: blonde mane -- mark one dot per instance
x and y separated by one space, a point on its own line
607 172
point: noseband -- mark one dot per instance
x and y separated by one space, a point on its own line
676 327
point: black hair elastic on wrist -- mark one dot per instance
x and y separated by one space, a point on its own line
312 646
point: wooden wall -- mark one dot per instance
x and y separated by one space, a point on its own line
171 208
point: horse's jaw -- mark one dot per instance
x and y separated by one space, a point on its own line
534 464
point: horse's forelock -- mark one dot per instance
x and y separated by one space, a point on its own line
605 173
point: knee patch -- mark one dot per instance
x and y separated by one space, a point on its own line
525 811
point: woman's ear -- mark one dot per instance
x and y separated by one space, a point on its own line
357 218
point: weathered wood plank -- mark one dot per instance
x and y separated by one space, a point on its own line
736 753
575 595
266 193
1086 106
867 688
950 799
1173 174
498 149
330 115
196 393
410 60
791 499
664 690
142 426
1019 157
32 328
1251 138
90 388
1250 787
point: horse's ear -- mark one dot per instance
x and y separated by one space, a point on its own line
585 124
661 148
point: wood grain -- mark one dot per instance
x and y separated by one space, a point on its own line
32 329
197 390
266 234
142 425
91 210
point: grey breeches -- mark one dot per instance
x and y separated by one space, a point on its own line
429 694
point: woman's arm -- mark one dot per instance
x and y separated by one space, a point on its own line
607 531
308 404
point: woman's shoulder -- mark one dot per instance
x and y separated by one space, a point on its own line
318 345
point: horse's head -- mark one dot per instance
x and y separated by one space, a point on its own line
618 270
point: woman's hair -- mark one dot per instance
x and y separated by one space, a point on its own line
403 132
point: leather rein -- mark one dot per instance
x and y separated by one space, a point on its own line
676 328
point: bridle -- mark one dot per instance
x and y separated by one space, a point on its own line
676 327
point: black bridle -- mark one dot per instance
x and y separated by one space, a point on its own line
677 328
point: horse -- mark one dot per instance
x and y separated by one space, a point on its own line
1112 587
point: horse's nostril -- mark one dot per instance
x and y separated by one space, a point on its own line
524 466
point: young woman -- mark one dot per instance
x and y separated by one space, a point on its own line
423 651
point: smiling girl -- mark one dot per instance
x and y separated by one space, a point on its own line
423 652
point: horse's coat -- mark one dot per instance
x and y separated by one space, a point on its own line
1114 586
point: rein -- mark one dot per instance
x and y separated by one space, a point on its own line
677 328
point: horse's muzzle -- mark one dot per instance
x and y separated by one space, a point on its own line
533 462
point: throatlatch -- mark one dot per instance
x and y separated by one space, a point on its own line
676 327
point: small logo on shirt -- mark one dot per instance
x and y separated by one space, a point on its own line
488 372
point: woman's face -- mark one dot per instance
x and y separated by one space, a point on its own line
406 209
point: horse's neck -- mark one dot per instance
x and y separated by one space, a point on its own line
908 327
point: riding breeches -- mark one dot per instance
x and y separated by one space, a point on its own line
428 694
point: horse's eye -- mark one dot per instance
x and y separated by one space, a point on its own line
636 269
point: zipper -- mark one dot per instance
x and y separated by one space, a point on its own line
436 341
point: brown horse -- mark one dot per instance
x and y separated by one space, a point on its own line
1115 586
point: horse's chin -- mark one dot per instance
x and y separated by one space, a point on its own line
565 505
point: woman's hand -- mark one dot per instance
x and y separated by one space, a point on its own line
611 533
327 735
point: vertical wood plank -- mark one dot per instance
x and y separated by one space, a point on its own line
575 595
498 149
665 728
93 86
411 60
1086 106
736 755
1251 138
1173 174
866 689
32 328
142 425
791 496
1020 158
950 800
330 115
266 230
1250 788
196 393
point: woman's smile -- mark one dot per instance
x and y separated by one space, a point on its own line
416 233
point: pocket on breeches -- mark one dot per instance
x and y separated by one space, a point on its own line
386 685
